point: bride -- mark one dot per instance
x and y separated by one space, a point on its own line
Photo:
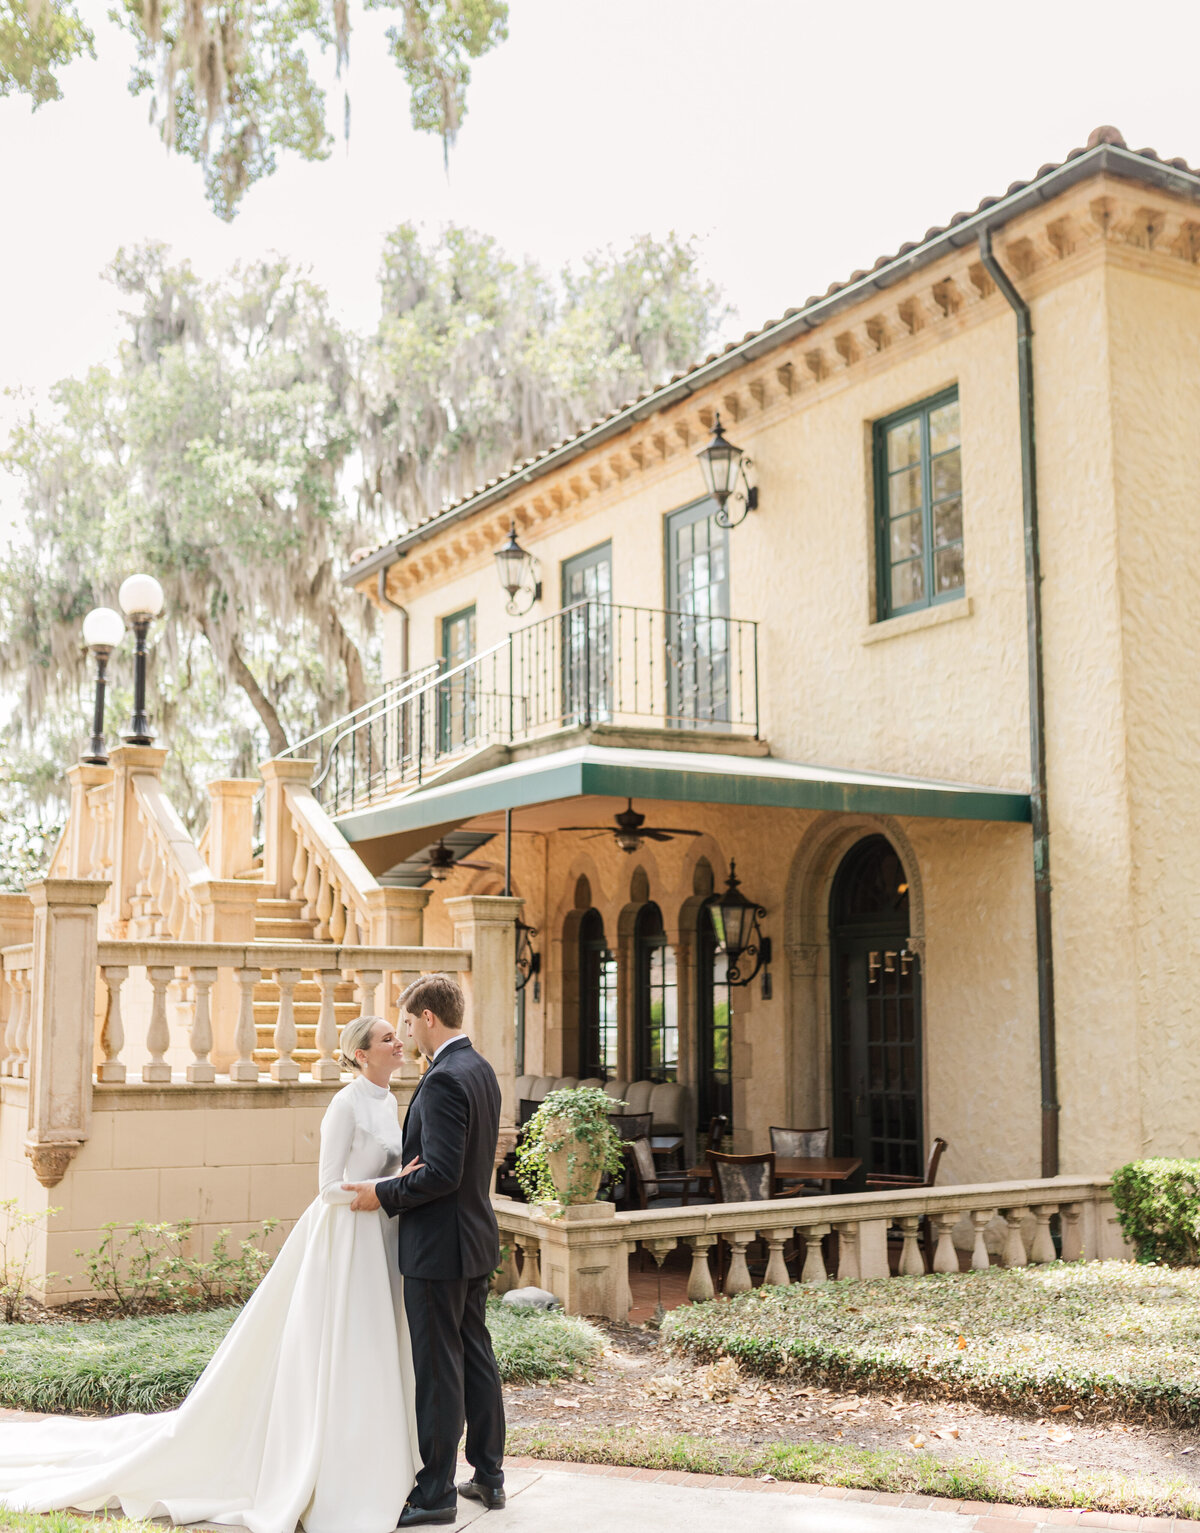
314 1372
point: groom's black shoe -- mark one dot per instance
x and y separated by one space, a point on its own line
416 1516
492 1496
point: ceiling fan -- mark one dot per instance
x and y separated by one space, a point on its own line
631 830
442 863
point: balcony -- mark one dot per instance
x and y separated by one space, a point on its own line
592 665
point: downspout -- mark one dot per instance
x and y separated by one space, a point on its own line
1039 810
386 601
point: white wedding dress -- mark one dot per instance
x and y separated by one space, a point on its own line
305 1412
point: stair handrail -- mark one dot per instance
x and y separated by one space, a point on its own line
386 696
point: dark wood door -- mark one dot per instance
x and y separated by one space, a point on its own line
877 1066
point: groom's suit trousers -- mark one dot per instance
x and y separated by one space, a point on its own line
456 1378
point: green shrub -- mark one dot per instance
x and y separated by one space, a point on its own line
144 1267
1097 1336
17 1230
531 1344
1158 1209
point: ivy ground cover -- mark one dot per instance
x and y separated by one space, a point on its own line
1101 1337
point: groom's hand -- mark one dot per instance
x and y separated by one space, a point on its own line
364 1196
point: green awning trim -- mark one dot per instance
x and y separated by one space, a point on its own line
681 777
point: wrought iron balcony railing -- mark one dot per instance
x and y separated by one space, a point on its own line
591 663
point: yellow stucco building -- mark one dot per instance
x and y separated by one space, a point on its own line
839 693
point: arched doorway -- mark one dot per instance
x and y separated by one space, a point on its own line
877 1107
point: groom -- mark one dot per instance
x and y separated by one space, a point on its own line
449 1244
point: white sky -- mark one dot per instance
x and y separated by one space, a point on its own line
798 141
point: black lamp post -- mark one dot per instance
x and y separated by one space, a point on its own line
141 599
735 921
514 565
103 630
724 467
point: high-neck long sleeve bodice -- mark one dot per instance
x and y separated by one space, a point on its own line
360 1138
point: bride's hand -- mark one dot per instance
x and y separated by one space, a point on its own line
415 1164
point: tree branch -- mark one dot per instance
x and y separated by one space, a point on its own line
277 740
351 657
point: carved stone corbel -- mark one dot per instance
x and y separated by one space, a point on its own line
803 956
917 945
51 1161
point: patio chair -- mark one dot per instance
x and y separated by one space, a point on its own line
669 1189
885 1182
794 1143
633 1125
718 1127
741 1179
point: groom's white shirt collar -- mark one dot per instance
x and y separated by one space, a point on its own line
442 1047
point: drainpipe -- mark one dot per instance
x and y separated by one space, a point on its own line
386 601
1037 708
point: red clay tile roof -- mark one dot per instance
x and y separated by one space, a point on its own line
1136 163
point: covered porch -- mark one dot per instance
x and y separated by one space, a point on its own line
898 1002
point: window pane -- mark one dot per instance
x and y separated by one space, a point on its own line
904 444
908 583
905 491
943 427
907 537
948 568
947 475
947 523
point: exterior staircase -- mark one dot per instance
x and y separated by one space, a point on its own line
280 922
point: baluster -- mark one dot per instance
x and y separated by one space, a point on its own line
776 1273
737 1279
95 853
1014 1246
324 906
158 885
12 1032
509 1278
531 1270
285 1067
326 1067
980 1219
700 1283
1042 1247
847 1250
201 1070
299 870
158 1035
312 885
21 1067
369 981
145 862
245 1039
1072 1232
945 1257
814 1262
112 1033
912 1263
337 915
175 919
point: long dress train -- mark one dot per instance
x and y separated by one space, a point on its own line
305 1411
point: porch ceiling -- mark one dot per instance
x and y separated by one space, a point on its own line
551 783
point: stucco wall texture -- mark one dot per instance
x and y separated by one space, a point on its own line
945 695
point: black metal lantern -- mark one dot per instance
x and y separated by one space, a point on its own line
529 963
724 467
514 565
735 921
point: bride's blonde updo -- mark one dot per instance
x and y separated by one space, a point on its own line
356 1035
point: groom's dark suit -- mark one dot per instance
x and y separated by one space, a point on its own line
449 1244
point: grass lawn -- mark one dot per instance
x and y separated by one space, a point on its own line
63 1522
107 1367
1098 1336
978 1479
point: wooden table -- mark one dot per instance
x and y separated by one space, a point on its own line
666 1144
796 1168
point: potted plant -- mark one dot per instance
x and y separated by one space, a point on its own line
567 1147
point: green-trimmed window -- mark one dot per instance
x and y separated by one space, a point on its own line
919 508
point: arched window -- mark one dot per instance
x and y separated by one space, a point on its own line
597 1000
656 1010
876 1013
714 1022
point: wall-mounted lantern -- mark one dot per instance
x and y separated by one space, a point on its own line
529 963
141 599
518 576
735 920
724 467
103 630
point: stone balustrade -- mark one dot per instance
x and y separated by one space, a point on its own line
18 996
190 969
582 1257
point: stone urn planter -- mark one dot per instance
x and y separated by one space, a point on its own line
565 1149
